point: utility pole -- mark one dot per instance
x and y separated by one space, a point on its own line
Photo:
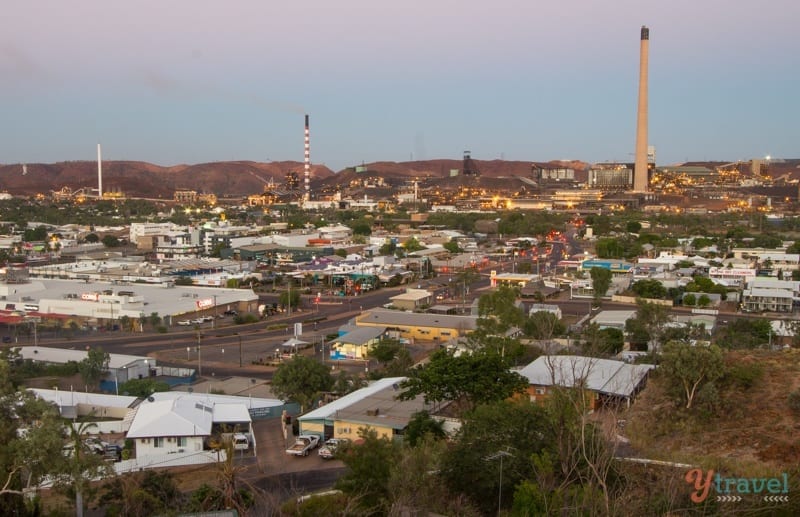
199 362
240 349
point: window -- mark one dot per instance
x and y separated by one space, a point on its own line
540 391
158 442
182 441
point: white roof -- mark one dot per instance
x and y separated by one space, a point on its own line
64 355
212 399
177 417
329 410
767 293
600 375
613 317
73 398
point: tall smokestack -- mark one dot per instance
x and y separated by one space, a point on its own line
640 164
307 177
99 173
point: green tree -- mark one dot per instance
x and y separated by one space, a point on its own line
301 379
143 388
141 494
452 246
543 325
647 327
423 425
703 300
649 288
110 241
504 435
473 378
94 367
689 369
290 297
633 227
601 281
30 438
385 350
75 472
412 244
690 299
369 466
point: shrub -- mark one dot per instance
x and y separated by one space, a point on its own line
794 401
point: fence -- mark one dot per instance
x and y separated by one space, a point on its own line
169 460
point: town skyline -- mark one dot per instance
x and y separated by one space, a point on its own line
181 85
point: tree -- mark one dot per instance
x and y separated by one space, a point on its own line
143 388
369 466
301 379
92 238
601 281
110 241
597 342
498 311
141 494
473 378
703 300
423 425
689 299
385 350
633 227
688 369
509 430
648 325
290 297
543 325
94 367
75 472
649 288
31 437
452 246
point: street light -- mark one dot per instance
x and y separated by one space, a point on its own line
492 457
199 362
240 349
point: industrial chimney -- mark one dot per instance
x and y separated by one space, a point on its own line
307 176
99 173
640 179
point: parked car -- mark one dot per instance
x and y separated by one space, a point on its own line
328 451
240 442
185 323
230 312
303 444
207 318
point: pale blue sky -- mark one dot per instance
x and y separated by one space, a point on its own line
179 81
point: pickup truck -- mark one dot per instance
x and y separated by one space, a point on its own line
303 444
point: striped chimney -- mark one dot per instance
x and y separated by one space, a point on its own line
307 175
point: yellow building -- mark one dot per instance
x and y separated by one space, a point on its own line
418 326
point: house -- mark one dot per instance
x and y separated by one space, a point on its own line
613 319
412 299
605 381
321 420
184 424
357 343
411 326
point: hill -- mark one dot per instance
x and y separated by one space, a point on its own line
234 178
751 428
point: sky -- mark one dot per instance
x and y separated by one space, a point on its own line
195 81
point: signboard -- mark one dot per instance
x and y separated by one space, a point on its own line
205 303
298 329
731 272
90 297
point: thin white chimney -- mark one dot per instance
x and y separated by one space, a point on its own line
99 173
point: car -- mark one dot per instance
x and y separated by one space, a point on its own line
185 323
198 321
328 451
230 312
207 318
303 444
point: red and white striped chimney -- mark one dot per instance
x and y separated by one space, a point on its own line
307 175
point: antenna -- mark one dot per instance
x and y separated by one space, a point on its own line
99 173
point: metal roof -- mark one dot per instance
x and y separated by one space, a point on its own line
600 375
390 318
329 410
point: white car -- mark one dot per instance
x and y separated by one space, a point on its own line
185 323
